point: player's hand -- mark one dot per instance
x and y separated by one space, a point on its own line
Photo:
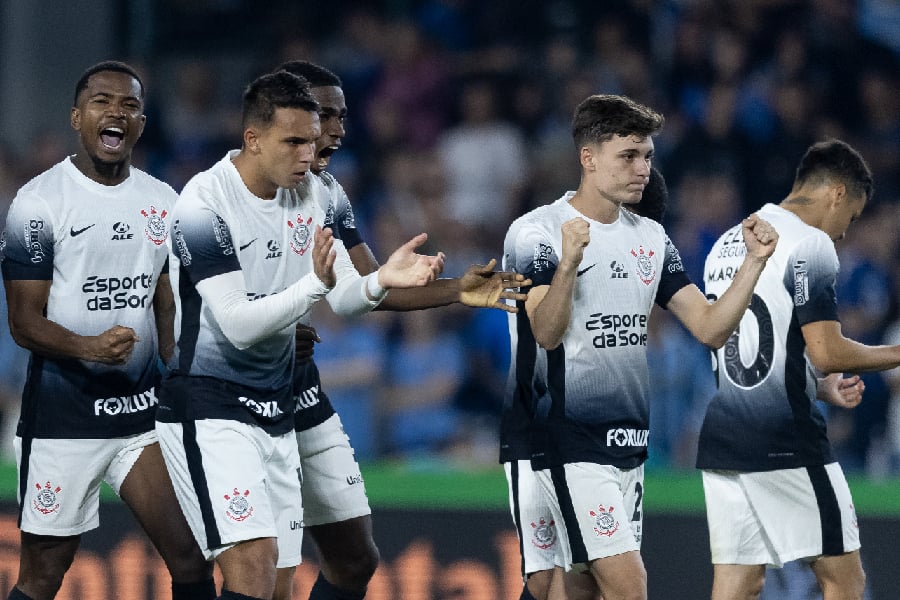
759 236
481 287
576 235
114 346
406 269
323 255
844 392
306 338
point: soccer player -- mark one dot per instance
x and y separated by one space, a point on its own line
85 270
336 510
775 493
249 258
577 399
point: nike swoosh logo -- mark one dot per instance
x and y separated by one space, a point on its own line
247 245
73 232
584 270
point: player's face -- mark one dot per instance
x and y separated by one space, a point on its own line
621 168
332 112
286 148
109 116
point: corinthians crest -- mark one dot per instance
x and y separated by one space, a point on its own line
239 507
605 522
156 230
543 534
46 500
301 234
646 270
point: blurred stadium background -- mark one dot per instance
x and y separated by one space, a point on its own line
459 121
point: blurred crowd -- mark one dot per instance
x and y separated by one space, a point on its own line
459 121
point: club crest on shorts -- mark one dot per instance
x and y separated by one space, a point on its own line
47 499
605 522
301 234
156 230
543 534
239 507
645 269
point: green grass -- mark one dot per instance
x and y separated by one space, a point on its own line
437 486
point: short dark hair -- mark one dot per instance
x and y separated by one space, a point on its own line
272 91
101 67
600 117
835 159
654 199
316 75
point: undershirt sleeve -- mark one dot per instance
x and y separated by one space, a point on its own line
245 322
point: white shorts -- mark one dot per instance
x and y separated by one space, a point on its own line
333 487
535 525
598 510
773 517
59 479
235 482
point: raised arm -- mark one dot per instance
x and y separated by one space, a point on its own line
549 307
713 323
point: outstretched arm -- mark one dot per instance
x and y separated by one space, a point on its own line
712 324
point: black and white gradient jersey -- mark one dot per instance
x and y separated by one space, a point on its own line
313 405
103 248
220 227
587 399
763 416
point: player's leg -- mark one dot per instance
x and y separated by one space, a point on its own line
336 512
59 499
539 543
574 585
599 513
738 582
347 553
621 577
43 562
147 490
240 492
840 577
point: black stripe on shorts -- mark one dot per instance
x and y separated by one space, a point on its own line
517 517
23 476
570 521
829 511
198 480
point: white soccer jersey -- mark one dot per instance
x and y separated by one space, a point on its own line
340 212
766 387
588 396
218 227
103 247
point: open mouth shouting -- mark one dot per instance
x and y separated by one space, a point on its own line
323 157
112 138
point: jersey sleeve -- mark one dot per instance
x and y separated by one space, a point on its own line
344 219
28 240
529 250
202 241
810 277
673 276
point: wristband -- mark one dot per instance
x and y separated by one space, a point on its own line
373 288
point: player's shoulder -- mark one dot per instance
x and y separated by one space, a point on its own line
45 184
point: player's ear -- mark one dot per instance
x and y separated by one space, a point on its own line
75 118
251 140
586 157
